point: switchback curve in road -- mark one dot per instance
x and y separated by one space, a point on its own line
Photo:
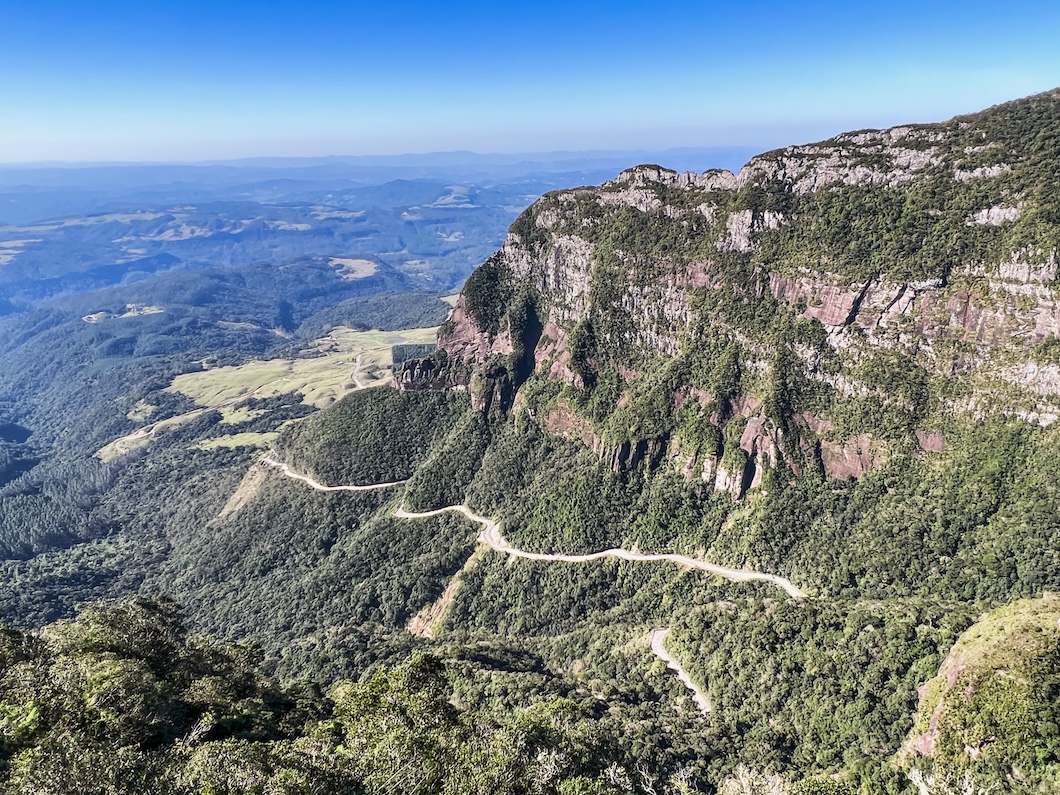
491 537
658 636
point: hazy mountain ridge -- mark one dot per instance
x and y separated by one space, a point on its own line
30 193
416 232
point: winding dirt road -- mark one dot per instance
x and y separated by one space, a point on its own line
272 462
658 636
491 536
355 375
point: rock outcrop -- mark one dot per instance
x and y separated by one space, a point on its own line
918 254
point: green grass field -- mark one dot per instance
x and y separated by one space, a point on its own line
341 362
322 379
238 440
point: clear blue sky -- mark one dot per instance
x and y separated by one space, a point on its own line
199 80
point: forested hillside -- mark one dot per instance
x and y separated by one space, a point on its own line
124 700
803 417
836 366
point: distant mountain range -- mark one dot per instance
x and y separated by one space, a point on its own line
36 192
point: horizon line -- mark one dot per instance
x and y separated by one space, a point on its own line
513 158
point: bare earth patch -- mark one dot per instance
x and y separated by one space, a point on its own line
351 269
142 436
245 491
426 622
131 310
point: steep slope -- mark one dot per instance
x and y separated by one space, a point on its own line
927 256
991 713
882 304
836 369
839 366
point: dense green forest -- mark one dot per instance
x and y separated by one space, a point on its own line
124 700
73 527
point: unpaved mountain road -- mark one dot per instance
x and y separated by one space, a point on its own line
658 636
355 375
491 537
269 460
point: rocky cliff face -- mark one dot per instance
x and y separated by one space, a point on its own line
911 269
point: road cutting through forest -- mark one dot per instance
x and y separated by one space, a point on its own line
658 636
491 537
272 462
354 376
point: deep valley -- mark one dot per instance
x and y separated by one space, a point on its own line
705 482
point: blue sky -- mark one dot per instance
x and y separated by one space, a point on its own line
210 80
